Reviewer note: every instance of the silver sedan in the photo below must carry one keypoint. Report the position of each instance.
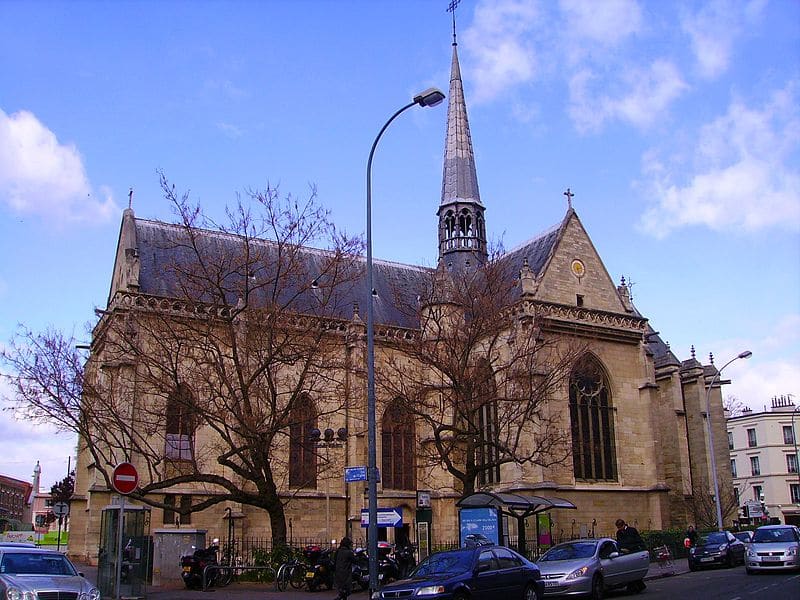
(28, 573)
(591, 566)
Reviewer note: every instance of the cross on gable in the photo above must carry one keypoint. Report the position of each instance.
(569, 196)
(453, 5)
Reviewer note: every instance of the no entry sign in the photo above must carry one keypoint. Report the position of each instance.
(125, 478)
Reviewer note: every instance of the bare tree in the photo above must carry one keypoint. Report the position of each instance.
(479, 380)
(733, 406)
(703, 508)
(203, 383)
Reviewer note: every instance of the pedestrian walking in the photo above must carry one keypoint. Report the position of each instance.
(343, 570)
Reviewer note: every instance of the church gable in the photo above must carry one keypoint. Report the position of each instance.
(574, 274)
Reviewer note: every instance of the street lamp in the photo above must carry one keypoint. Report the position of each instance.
(430, 97)
(745, 354)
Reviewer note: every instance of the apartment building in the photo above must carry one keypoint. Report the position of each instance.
(764, 459)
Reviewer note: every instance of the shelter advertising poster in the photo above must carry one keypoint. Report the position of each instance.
(479, 522)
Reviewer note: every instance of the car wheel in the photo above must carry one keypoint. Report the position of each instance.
(530, 593)
(597, 588)
(460, 596)
(730, 562)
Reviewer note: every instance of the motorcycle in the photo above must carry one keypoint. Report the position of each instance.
(193, 565)
(406, 560)
(388, 567)
(321, 568)
(360, 568)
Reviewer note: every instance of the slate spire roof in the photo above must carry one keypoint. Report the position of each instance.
(462, 226)
(460, 178)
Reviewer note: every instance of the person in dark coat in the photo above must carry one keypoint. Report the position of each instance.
(628, 538)
(691, 535)
(343, 569)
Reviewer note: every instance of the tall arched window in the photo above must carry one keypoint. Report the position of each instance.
(592, 419)
(302, 449)
(487, 454)
(398, 449)
(180, 417)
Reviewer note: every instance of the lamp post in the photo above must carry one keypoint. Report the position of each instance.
(430, 97)
(715, 479)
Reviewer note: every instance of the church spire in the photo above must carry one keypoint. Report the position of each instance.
(462, 229)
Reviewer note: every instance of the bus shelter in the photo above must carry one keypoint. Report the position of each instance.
(481, 514)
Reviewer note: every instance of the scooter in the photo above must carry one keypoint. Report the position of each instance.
(193, 565)
(406, 560)
(321, 568)
(360, 568)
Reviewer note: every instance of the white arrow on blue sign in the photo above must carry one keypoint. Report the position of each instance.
(387, 517)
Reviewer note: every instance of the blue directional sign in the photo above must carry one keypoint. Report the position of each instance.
(387, 517)
(352, 474)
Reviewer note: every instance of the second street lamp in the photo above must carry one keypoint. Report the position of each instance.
(715, 479)
(430, 97)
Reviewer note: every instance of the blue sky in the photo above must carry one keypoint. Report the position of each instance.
(676, 125)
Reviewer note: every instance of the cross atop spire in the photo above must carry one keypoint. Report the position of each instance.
(452, 9)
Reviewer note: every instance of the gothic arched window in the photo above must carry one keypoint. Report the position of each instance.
(487, 454)
(302, 449)
(397, 448)
(592, 420)
(449, 227)
(180, 417)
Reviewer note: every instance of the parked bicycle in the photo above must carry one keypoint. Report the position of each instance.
(292, 573)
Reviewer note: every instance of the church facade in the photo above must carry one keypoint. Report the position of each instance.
(632, 413)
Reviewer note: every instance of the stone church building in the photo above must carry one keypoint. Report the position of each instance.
(633, 413)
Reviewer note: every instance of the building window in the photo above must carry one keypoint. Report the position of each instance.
(758, 491)
(171, 516)
(397, 448)
(730, 440)
(736, 495)
(791, 463)
(788, 434)
(752, 442)
(794, 493)
(733, 468)
(755, 466)
(180, 417)
(487, 448)
(302, 449)
(592, 420)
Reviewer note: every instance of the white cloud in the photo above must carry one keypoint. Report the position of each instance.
(42, 177)
(605, 23)
(497, 40)
(229, 130)
(714, 29)
(644, 96)
(740, 176)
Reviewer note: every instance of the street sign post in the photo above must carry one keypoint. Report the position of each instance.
(124, 480)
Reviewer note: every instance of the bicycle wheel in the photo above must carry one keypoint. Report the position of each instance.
(225, 576)
(282, 578)
(297, 576)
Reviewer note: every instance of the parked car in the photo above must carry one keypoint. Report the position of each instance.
(774, 548)
(38, 573)
(744, 536)
(478, 573)
(591, 566)
(720, 548)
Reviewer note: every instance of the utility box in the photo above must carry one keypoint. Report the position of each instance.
(168, 547)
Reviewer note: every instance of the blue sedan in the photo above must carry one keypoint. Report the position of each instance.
(478, 573)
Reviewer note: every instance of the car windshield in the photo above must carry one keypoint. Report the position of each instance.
(716, 537)
(39, 563)
(570, 551)
(742, 535)
(445, 562)
(766, 536)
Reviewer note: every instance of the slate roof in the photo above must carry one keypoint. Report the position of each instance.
(162, 246)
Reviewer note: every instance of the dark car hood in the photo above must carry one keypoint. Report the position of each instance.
(438, 579)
